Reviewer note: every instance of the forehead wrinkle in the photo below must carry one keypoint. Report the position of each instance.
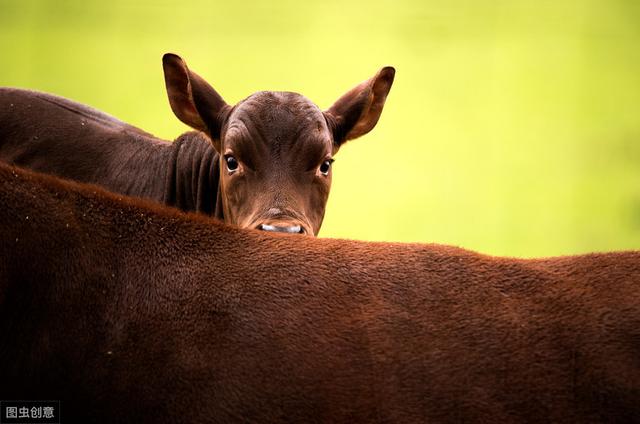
(282, 120)
(247, 138)
(250, 115)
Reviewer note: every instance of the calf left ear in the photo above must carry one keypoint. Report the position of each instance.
(192, 99)
(358, 111)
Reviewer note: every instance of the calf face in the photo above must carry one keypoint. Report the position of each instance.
(276, 148)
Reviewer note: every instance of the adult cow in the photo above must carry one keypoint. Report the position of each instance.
(263, 163)
(129, 312)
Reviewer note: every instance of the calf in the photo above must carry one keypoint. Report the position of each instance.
(129, 312)
(264, 163)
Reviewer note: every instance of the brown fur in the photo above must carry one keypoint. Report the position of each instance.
(280, 141)
(130, 312)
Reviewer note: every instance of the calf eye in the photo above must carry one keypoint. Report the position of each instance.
(326, 165)
(232, 163)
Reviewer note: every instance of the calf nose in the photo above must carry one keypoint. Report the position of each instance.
(294, 229)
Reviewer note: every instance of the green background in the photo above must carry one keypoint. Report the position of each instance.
(513, 126)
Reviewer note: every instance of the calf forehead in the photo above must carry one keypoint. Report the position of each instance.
(278, 117)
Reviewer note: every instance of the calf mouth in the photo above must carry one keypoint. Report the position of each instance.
(288, 229)
(278, 220)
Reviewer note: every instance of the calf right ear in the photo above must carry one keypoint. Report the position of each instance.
(192, 99)
(358, 111)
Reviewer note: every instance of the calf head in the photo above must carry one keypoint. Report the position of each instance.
(276, 148)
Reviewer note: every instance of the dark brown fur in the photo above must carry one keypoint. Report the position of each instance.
(129, 312)
(64, 138)
(280, 141)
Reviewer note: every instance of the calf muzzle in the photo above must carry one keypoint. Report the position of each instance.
(290, 229)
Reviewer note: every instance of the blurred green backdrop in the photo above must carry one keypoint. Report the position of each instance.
(513, 126)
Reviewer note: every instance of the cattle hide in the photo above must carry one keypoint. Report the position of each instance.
(130, 312)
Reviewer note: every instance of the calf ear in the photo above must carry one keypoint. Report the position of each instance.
(358, 111)
(192, 99)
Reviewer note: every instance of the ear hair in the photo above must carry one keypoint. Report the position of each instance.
(192, 99)
(358, 111)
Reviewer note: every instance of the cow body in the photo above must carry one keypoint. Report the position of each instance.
(128, 312)
(54, 135)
